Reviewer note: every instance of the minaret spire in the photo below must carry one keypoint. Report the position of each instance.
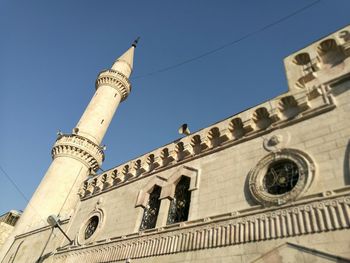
(124, 64)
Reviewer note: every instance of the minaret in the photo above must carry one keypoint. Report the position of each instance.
(79, 154)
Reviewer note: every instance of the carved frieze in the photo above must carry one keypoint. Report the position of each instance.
(325, 214)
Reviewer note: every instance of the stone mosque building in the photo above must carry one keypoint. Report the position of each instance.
(270, 184)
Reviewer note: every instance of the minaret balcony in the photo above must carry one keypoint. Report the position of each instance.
(80, 148)
(116, 80)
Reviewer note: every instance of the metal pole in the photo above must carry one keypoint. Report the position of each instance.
(58, 226)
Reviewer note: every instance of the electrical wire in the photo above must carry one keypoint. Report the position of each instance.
(199, 57)
(250, 34)
(14, 184)
(21, 193)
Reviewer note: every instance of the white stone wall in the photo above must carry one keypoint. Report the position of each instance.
(33, 245)
(5, 231)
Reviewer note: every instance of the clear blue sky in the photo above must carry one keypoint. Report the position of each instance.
(52, 51)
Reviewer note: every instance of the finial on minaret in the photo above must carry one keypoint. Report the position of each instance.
(134, 44)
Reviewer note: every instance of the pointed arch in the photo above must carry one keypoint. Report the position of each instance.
(157, 196)
(143, 195)
(169, 187)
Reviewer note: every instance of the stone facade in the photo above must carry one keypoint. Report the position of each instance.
(270, 184)
(7, 224)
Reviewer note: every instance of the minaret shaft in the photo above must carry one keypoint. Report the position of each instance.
(56, 194)
(98, 114)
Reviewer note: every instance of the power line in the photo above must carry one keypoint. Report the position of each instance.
(21, 193)
(259, 30)
(14, 184)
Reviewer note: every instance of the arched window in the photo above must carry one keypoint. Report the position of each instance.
(150, 214)
(180, 205)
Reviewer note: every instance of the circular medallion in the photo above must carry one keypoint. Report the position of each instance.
(281, 177)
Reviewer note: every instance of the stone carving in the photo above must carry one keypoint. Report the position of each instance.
(237, 128)
(273, 143)
(324, 57)
(196, 144)
(257, 177)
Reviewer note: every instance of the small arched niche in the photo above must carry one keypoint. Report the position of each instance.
(307, 67)
(326, 46)
(329, 52)
(302, 59)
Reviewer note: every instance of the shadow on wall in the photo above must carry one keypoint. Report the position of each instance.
(347, 164)
(341, 86)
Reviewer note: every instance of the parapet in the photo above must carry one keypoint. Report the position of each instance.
(279, 112)
(314, 64)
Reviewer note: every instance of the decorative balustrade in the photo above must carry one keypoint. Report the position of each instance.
(115, 79)
(324, 213)
(247, 125)
(79, 147)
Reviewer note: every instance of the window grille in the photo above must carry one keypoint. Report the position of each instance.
(281, 177)
(180, 205)
(91, 227)
(150, 214)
